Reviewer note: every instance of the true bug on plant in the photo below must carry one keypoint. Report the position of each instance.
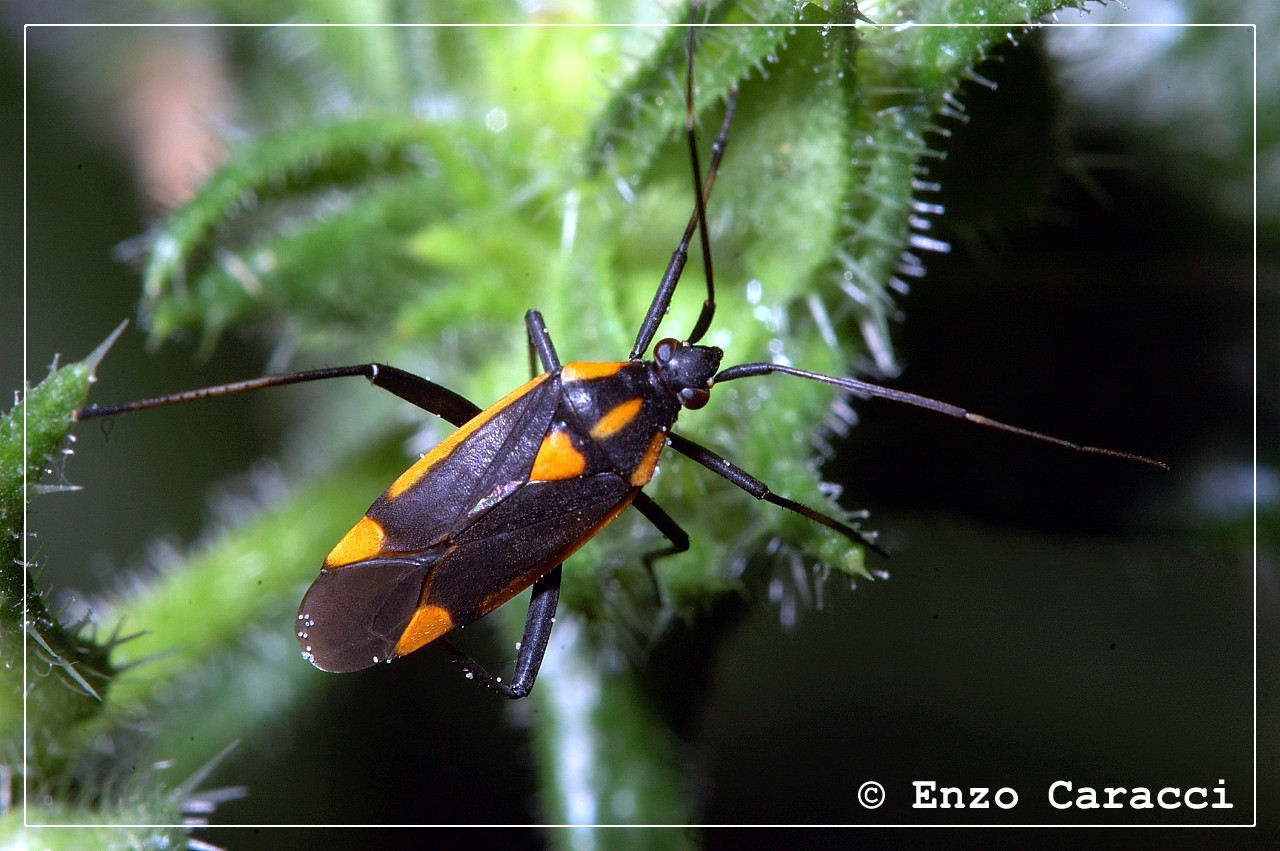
(501, 503)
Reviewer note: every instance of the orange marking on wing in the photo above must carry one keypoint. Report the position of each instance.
(557, 459)
(427, 624)
(588, 371)
(362, 542)
(643, 472)
(411, 476)
(617, 419)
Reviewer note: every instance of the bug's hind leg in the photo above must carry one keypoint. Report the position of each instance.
(533, 643)
(414, 389)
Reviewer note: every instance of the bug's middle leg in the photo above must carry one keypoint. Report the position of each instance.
(741, 478)
(670, 529)
(540, 344)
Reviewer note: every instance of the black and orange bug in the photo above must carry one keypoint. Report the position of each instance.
(500, 504)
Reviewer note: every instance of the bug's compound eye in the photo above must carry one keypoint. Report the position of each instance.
(694, 398)
(665, 349)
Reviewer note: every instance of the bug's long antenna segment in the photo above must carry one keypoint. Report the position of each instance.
(708, 311)
(874, 390)
(702, 192)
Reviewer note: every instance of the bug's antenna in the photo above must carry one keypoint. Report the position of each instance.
(875, 390)
(702, 191)
(708, 311)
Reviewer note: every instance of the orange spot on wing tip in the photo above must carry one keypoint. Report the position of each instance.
(427, 624)
(362, 542)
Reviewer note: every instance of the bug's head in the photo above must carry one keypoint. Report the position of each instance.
(686, 370)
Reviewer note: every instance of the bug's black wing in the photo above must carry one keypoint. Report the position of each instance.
(358, 609)
(458, 534)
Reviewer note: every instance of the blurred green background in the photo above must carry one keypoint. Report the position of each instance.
(1047, 615)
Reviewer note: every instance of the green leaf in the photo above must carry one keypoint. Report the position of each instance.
(63, 676)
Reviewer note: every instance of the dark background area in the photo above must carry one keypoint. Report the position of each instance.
(1048, 615)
